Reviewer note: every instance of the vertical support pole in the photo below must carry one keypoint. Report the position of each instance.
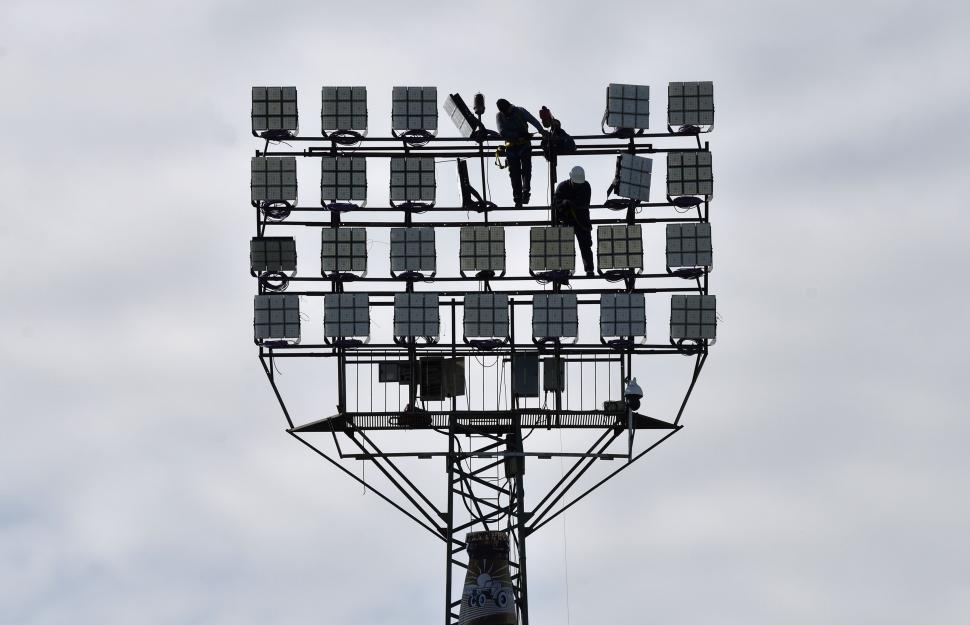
(522, 531)
(449, 519)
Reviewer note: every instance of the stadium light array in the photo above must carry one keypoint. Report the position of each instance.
(554, 316)
(277, 318)
(343, 250)
(343, 182)
(482, 249)
(627, 107)
(693, 317)
(274, 112)
(416, 315)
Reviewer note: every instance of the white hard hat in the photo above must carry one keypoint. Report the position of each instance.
(577, 175)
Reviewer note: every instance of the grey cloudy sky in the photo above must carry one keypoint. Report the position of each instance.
(144, 473)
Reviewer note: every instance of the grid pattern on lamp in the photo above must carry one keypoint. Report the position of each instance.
(552, 248)
(413, 249)
(627, 106)
(343, 178)
(690, 103)
(277, 316)
(689, 173)
(622, 314)
(693, 317)
(486, 315)
(273, 179)
(343, 250)
(414, 108)
(619, 247)
(274, 108)
(272, 254)
(346, 315)
(635, 174)
(689, 245)
(412, 179)
(416, 314)
(343, 108)
(482, 248)
(554, 315)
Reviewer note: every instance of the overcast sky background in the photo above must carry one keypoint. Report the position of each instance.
(145, 476)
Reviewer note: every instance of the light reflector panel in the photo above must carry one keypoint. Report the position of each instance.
(486, 315)
(689, 173)
(274, 108)
(690, 103)
(552, 248)
(554, 315)
(277, 316)
(413, 249)
(689, 245)
(693, 317)
(343, 179)
(416, 314)
(482, 248)
(458, 111)
(622, 314)
(346, 315)
(414, 108)
(635, 177)
(343, 250)
(619, 247)
(273, 179)
(272, 254)
(343, 108)
(628, 106)
(412, 179)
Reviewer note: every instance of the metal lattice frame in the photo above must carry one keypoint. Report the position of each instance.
(493, 438)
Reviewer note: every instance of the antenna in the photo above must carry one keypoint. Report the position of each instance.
(461, 322)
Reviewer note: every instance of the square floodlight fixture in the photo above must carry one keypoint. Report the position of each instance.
(622, 314)
(343, 179)
(416, 314)
(619, 247)
(554, 315)
(693, 317)
(272, 254)
(552, 248)
(343, 250)
(346, 315)
(343, 109)
(690, 103)
(628, 106)
(482, 248)
(277, 317)
(414, 108)
(689, 245)
(274, 111)
(689, 173)
(634, 177)
(413, 249)
(273, 180)
(460, 115)
(486, 315)
(412, 179)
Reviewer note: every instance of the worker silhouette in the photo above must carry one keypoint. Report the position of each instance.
(513, 126)
(571, 203)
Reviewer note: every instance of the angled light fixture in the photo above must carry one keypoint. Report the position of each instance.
(274, 113)
(632, 181)
(343, 182)
(627, 109)
(343, 251)
(693, 317)
(343, 113)
(482, 251)
(413, 254)
(690, 107)
(412, 182)
(277, 319)
(416, 315)
(554, 316)
(689, 246)
(346, 318)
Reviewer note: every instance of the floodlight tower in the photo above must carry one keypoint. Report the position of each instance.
(453, 319)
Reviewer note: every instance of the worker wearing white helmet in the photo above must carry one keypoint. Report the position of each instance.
(571, 203)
